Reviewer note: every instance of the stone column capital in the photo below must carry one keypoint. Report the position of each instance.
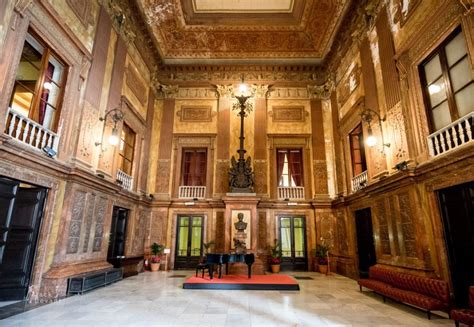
(260, 91)
(323, 91)
(225, 91)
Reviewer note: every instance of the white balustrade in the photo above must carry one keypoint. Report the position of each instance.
(125, 179)
(360, 181)
(192, 192)
(291, 193)
(452, 136)
(30, 132)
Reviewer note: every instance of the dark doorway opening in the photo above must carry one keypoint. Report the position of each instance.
(457, 210)
(118, 234)
(21, 212)
(292, 236)
(365, 241)
(188, 241)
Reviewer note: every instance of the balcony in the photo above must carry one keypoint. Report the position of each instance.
(291, 193)
(452, 136)
(29, 132)
(125, 180)
(192, 192)
(359, 182)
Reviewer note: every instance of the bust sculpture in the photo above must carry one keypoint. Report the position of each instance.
(240, 225)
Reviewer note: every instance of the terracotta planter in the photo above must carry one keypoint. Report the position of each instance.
(275, 268)
(323, 269)
(154, 266)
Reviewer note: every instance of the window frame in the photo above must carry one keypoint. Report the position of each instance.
(122, 157)
(363, 156)
(194, 150)
(300, 150)
(450, 95)
(33, 111)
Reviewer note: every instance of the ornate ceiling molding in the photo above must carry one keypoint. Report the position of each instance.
(198, 43)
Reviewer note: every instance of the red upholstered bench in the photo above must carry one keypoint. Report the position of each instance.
(465, 316)
(423, 292)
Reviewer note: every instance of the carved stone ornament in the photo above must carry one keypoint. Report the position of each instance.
(22, 5)
(169, 91)
(241, 177)
(321, 91)
(225, 91)
(468, 6)
(259, 91)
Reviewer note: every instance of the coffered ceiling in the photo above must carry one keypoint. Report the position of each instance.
(243, 31)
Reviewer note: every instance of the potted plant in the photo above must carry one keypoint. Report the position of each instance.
(156, 250)
(275, 259)
(322, 257)
(207, 246)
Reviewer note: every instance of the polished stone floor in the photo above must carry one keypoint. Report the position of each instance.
(157, 299)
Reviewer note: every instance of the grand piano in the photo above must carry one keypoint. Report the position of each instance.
(220, 259)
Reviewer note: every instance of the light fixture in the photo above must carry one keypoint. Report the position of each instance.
(48, 86)
(434, 88)
(367, 116)
(117, 115)
(242, 87)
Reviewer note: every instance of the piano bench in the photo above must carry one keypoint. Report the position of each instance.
(202, 267)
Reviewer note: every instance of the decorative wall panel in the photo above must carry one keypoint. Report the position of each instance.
(163, 176)
(195, 114)
(288, 114)
(341, 231)
(139, 89)
(383, 226)
(222, 176)
(350, 82)
(81, 9)
(393, 216)
(88, 220)
(407, 224)
(220, 231)
(260, 169)
(99, 224)
(75, 225)
(138, 245)
(262, 230)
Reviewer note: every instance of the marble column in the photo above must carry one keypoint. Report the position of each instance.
(221, 179)
(260, 161)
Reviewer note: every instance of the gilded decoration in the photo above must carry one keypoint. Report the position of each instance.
(288, 114)
(402, 10)
(288, 93)
(309, 38)
(322, 91)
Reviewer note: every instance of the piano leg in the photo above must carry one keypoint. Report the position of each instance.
(211, 271)
(250, 270)
(227, 268)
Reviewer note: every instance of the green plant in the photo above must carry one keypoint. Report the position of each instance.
(156, 249)
(321, 252)
(275, 253)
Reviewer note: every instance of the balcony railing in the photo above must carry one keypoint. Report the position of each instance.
(30, 132)
(291, 193)
(360, 181)
(125, 180)
(192, 192)
(452, 136)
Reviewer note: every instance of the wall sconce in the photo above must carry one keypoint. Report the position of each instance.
(367, 116)
(117, 115)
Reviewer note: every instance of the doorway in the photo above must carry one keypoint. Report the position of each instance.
(365, 241)
(292, 236)
(457, 210)
(118, 234)
(21, 211)
(188, 241)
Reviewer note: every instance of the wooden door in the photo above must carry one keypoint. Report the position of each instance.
(457, 209)
(365, 241)
(21, 210)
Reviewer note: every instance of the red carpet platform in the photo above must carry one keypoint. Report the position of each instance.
(274, 282)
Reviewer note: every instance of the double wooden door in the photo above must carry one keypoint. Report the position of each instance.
(188, 241)
(21, 211)
(292, 238)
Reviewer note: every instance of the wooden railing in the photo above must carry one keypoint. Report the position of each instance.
(125, 180)
(291, 193)
(360, 181)
(30, 132)
(192, 192)
(452, 136)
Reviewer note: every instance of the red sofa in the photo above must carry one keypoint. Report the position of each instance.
(465, 316)
(423, 292)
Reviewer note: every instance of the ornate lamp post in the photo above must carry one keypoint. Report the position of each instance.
(241, 177)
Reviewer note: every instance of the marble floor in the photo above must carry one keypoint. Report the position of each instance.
(157, 299)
